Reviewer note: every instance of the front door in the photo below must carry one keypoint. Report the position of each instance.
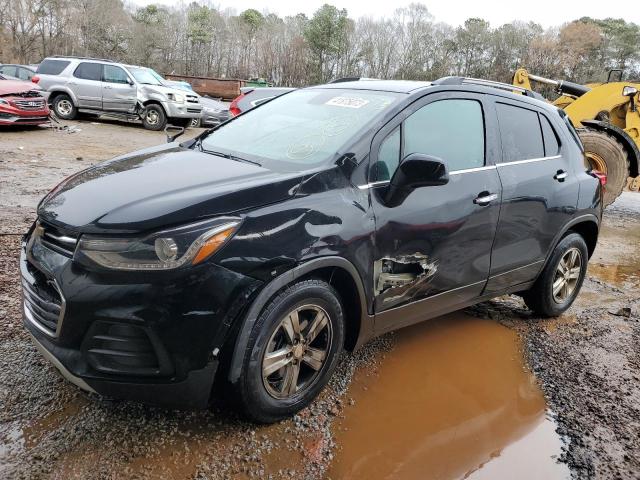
(434, 249)
(540, 192)
(118, 95)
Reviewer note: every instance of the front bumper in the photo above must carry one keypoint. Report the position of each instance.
(18, 117)
(183, 110)
(145, 337)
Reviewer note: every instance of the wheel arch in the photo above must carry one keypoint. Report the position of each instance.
(623, 137)
(338, 272)
(153, 101)
(57, 91)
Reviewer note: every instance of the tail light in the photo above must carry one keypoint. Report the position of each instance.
(35, 79)
(233, 108)
(600, 176)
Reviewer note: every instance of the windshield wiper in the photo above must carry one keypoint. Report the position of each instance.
(226, 155)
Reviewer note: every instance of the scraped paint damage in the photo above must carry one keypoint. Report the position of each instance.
(398, 277)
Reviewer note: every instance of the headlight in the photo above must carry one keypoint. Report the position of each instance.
(166, 250)
(176, 97)
(3, 102)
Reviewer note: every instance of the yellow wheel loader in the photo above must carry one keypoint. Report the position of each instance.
(607, 118)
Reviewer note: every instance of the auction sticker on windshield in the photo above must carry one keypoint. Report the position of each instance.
(349, 102)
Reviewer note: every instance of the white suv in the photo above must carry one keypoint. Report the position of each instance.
(101, 87)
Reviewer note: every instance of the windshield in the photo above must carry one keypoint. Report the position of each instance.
(300, 129)
(144, 76)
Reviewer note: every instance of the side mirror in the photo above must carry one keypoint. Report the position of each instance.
(130, 82)
(416, 170)
(629, 91)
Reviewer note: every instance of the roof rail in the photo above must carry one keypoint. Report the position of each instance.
(351, 79)
(486, 83)
(83, 58)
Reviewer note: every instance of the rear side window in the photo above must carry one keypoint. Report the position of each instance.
(520, 132)
(88, 71)
(551, 144)
(52, 67)
(452, 130)
(24, 74)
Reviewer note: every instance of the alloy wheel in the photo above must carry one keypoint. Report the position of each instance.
(297, 351)
(152, 117)
(567, 275)
(64, 107)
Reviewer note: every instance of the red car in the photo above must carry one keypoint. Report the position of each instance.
(21, 103)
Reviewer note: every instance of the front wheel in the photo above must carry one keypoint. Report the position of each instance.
(153, 117)
(293, 349)
(559, 283)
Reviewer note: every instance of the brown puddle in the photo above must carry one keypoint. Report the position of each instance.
(452, 400)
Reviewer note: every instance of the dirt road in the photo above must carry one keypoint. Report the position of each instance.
(479, 393)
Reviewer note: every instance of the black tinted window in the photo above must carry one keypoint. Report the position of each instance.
(113, 74)
(521, 134)
(551, 144)
(452, 130)
(88, 71)
(52, 67)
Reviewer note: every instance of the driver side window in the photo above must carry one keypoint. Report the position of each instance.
(452, 130)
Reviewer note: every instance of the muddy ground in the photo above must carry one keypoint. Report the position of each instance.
(566, 392)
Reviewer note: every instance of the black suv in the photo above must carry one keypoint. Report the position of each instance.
(260, 250)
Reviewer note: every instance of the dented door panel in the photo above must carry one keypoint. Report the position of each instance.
(437, 240)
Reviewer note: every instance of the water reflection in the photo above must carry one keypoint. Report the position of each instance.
(447, 402)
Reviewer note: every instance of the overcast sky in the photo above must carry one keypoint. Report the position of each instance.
(454, 12)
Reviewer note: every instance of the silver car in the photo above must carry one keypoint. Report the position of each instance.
(102, 87)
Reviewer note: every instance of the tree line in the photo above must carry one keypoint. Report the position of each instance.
(199, 39)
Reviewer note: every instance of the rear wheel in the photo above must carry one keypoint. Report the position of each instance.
(64, 108)
(559, 283)
(292, 351)
(605, 154)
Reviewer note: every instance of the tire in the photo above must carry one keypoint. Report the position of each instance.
(601, 148)
(64, 108)
(540, 298)
(154, 118)
(265, 398)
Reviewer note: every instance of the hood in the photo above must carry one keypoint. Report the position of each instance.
(8, 87)
(164, 89)
(161, 186)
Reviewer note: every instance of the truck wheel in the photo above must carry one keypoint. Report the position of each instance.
(64, 108)
(561, 279)
(607, 155)
(292, 352)
(154, 118)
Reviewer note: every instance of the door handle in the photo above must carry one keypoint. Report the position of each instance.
(108, 86)
(485, 198)
(560, 176)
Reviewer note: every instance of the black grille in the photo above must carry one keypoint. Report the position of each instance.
(125, 349)
(43, 303)
(193, 110)
(55, 239)
(192, 99)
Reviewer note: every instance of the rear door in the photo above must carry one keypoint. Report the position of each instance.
(433, 250)
(118, 95)
(539, 192)
(86, 84)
